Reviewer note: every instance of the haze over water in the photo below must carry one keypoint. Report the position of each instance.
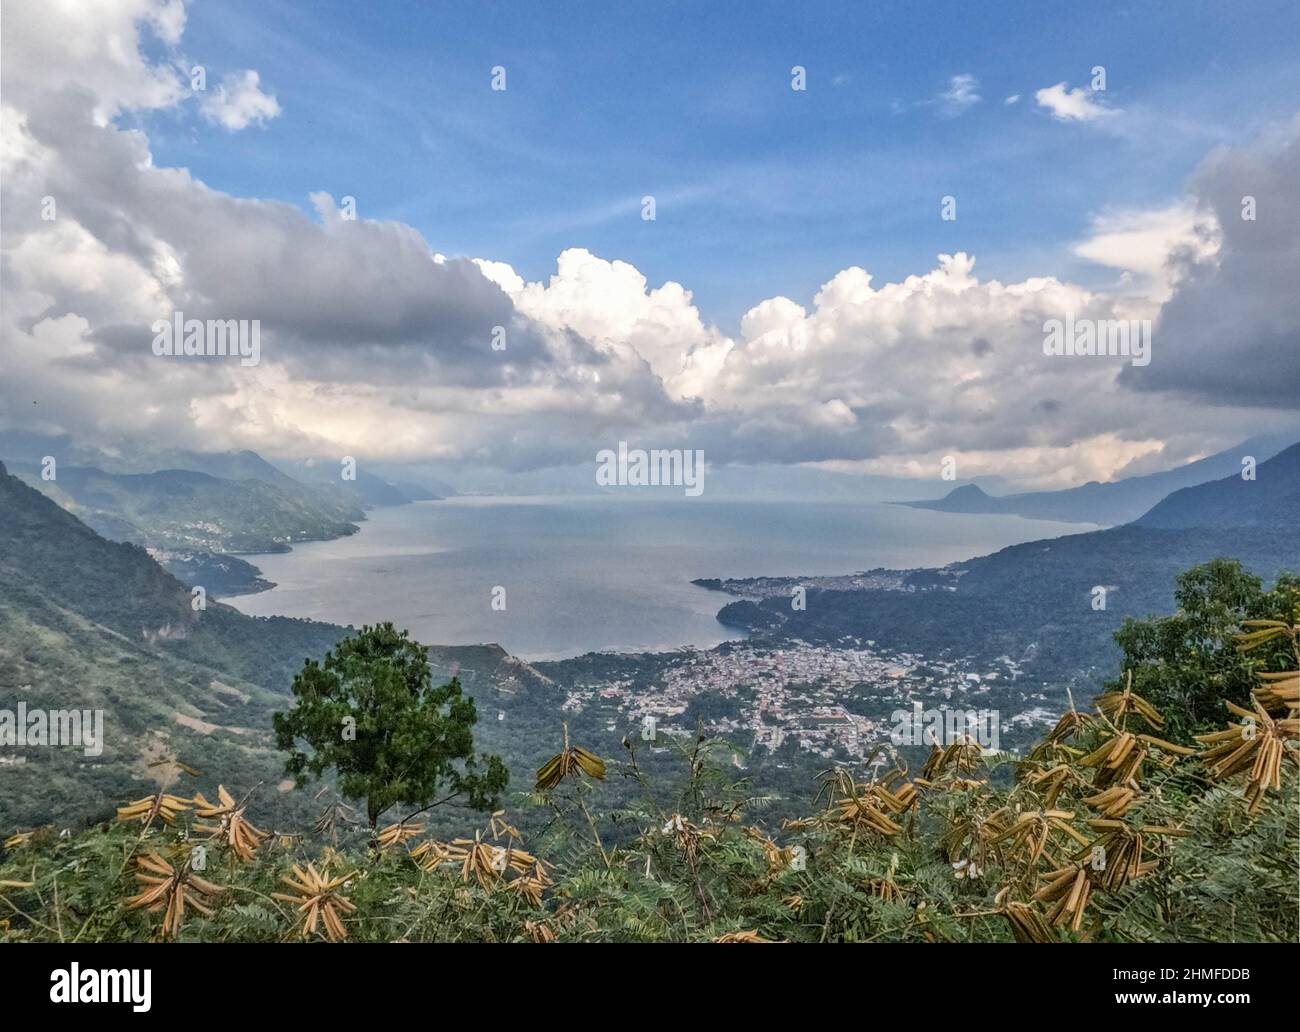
(606, 573)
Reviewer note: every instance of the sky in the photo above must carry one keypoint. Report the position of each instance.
(798, 297)
(761, 189)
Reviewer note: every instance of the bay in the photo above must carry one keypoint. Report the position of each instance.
(600, 573)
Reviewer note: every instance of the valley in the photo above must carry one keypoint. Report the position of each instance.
(814, 682)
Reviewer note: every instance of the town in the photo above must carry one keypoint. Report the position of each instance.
(836, 703)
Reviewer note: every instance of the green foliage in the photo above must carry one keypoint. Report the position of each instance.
(657, 853)
(1187, 665)
(183, 510)
(695, 874)
(371, 712)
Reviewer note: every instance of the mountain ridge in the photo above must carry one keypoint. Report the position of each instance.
(1043, 594)
(1112, 503)
(182, 509)
(77, 609)
(1270, 498)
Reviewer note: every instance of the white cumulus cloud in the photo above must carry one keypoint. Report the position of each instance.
(238, 101)
(1073, 105)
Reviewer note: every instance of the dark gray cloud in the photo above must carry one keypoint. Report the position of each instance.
(1230, 334)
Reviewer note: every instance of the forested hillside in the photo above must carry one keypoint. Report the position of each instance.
(1117, 827)
(1041, 597)
(1270, 499)
(181, 509)
(95, 624)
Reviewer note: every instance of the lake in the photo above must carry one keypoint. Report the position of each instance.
(604, 573)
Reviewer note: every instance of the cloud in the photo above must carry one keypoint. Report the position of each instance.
(940, 363)
(962, 93)
(1067, 464)
(364, 328)
(1073, 105)
(1151, 248)
(602, 300)
(1230, 332)
(375, 344)
(95, 47)
(238, 101)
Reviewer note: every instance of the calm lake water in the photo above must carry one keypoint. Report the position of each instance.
(585, 574)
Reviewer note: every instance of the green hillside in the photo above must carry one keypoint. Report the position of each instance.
(186, 510)
(1106, 831)
(1039, 598)
(96, 624)
(1270, 499)
(93, 624)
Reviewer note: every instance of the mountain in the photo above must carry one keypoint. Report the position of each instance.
(230, 465)
(25, 451)
(418, 492)
(1272, 499)
(318, 483)
(1114, 503)
(1038, 599)
(367, 490)
(315, 489)
(178, 510)
(967, 498)
(30, 448)
(93, 624)
(248, 465)
(435, 485)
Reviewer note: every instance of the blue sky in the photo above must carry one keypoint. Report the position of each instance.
(761, 190)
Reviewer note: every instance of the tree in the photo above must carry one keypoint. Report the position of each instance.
(1187, 665)
(370, 712)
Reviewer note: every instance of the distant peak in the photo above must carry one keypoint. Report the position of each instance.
(967, 491)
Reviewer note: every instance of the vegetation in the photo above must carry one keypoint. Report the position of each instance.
(1187, 664)
(371, 713)
(182, 510)
(98, 625)
(1030, 599)
(1106, 831)
(1037, 598)
(662, 847)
